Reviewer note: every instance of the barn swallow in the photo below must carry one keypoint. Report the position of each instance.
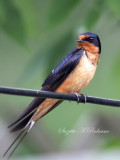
(71, 75)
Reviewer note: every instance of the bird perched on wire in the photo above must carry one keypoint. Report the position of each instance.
(71, 75)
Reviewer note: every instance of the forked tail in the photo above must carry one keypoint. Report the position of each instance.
(20, 137)
(24, 123)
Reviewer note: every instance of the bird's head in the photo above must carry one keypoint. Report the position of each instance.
(90, 42)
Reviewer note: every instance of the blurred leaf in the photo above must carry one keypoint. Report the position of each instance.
(48, 59)
(60, 49)
(94, 13)
(13, 24)
(59, 10)
(114, 6)
(33, 67)
(28, 13)
(2, 12)
(112, 143)
(116, 69)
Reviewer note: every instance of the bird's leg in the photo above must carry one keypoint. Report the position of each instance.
(78, 96)
(85, 97)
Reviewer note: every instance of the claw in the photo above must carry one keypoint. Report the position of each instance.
(77, 95)
(85, 97)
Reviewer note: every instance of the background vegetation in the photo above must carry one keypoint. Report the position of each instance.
(34, 36)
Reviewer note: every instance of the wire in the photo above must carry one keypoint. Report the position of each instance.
(54, 95)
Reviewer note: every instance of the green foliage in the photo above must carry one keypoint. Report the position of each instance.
(28, 12)
(114, 6)
(11, 21)
(58, 11)
(112, 143)
(94, 13)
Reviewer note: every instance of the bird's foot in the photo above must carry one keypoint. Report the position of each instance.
(78, 97)
(85, 97)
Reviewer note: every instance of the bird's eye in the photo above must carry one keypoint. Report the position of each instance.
(89, 39)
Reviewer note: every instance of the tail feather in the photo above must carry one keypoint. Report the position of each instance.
(31, 107)
(53, 107)
(20, 137)
(22, 124)
(13, 142)
(25, 122)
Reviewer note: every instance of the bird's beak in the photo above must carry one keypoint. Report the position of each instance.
(80, 40)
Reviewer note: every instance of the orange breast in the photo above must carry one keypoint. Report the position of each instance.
(79, 78)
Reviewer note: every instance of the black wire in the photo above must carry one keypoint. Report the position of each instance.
(47, 94)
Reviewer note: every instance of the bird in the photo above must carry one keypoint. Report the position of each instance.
(71, 75)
